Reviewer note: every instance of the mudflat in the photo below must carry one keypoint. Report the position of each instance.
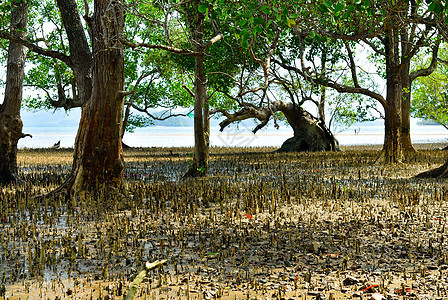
(262, 225)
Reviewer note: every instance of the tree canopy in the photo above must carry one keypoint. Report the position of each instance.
(239, 57)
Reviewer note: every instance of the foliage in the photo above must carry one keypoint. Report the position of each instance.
(348, 109)
(163, 89)
(430, 94)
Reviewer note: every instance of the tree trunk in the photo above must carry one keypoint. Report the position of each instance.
(199, 166)
(406, 95)
(323, 89)
(310, 134)
(10, 121)
(392, 147)
(406, 142)
(206, 116)
(98, 159)
(80, 56)
(393, 150)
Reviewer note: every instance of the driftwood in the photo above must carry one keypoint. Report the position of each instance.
(139, 278)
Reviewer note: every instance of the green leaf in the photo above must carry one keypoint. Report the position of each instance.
(322, 8)
(328, 4)
(265, 9)
(258, 21)
(438, 8)
(243, 22)
(203, 8)
(432, 6)
(339, 7)
(257, 30)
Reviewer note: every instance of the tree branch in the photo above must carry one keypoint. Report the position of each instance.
(161, 118)
(250, 111)
(162, 47)
(334, 85)
(352, 65)
(188, 90)
(212, 41)
(39, 50)
(427, 71)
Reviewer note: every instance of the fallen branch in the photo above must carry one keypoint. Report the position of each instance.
(139, 278)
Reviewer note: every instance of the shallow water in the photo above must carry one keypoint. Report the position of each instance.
(234, 136)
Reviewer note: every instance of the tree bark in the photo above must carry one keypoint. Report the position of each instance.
(98, 159)
(310, 133)
(406, 95)
(81, 60)
(393, 150)
(199, 166)
(10, 121)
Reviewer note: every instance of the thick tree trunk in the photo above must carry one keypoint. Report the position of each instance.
(10, 121)
(393, 151)
(199, 166)
(310, 134)
(98, 159)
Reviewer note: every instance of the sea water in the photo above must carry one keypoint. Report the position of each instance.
(232, 136)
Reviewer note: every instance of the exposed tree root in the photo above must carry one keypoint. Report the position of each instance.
(440, 172)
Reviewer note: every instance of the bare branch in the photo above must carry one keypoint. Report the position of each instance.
(39, 50)
(213, 41)
(374, 48)
(188, 90)
(159, 118)
(162, 47)
(427, 71)
(352, 65)
(333, 84)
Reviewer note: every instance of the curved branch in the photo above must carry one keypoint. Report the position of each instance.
(161, 118)
(250, 111)
(341, 88)
(39, 50)
(162, 47)
(427, 71)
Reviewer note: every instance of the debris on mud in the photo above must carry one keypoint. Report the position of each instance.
(263, 225)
